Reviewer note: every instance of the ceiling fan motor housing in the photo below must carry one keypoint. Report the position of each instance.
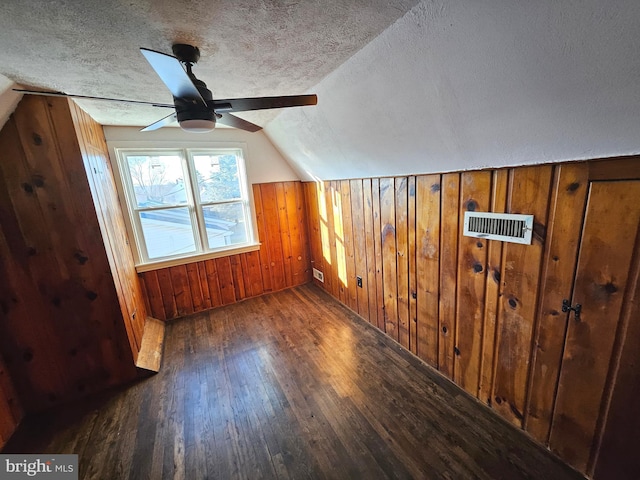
(197, 113)
(187, 109)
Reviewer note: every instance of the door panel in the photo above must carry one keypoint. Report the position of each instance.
(618, 454)
(605, 255)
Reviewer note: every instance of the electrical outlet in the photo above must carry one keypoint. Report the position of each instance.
(318, 275)
(359, 281)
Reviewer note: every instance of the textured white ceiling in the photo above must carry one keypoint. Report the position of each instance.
(249, 47)
(468, 84)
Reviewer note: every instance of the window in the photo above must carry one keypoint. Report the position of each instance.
(186, 202)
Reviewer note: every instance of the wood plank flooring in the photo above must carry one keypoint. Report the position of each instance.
(287, 385)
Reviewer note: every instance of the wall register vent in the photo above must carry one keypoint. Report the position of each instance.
(318, 275)
(506, 227)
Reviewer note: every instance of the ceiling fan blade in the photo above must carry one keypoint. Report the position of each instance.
(169, 119)
(237, 122)
(173, 74)
(85, 97)
(261, 103)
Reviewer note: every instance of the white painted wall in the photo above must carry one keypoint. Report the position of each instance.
(8, 99)
(263, 162)
(467, 84)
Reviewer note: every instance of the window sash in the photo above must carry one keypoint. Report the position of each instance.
(148, 241)
(192, 153)
(205, 230)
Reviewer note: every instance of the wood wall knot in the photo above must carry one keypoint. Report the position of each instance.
(37, 139)
(602, 292)
(38, 180)
(496, 275)
(91, 295)
(610, 288)
(470, 205)
(80, 257)
(388, 229)
(572, 187)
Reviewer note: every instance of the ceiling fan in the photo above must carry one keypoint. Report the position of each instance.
(195, 108)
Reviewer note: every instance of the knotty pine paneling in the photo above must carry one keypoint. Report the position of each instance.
(487, 314)
(475, 193)
(11, 412)
(528, 192)
(492, 299)
(570, 187)
(283, 260)
(448, 267)
(427, 226)
(61, 330)
(114, 234)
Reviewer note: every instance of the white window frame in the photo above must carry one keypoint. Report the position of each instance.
(193, 203)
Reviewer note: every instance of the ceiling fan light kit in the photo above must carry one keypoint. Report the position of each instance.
(195, 109)
(196, 125)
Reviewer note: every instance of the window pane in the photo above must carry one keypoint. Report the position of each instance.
(217, 177)
(167, 232)
(226, 224)
(157, 180)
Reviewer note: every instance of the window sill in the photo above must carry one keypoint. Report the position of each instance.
(146, 267)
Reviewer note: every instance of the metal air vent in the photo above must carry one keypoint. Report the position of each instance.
(506, 227)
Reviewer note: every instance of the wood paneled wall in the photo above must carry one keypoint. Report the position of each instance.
(488, 314)
(114, 233)
(11, 412)
(61, 329)
(283, 261)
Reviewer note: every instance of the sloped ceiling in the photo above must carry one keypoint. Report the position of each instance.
(471, 84)
(404, 86)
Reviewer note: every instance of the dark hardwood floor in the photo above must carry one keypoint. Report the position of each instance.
(288, 385)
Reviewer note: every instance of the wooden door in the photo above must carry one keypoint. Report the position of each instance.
(604, 287)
